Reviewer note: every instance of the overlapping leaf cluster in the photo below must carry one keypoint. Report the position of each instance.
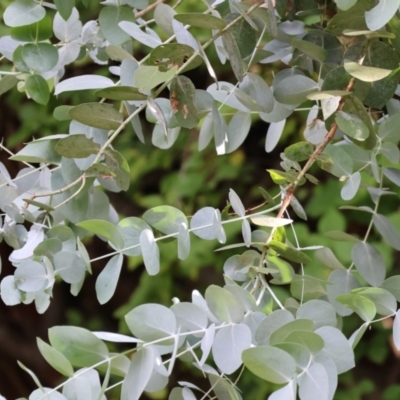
(346, 66)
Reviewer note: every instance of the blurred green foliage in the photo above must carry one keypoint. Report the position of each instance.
(188, 179)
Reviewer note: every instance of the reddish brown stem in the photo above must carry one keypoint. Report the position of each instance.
(317, 152)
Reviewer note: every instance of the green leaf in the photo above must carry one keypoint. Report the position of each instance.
(69, 266)
(121, 93)
(270, 363)
(224, 305)
(396, 330)
(319, 311)
(77, 146)
(310, 340)
(341, 236)
(381, 14)
(369, 34)
(80, 346)
(394, 27)
(148, 77)
(289, 252)
(105, 229)
(353, 17)
(98, 115)
(40, 57)
(7, 83)
(19, 61)
(272, 222)
(169, 55)
(166, 219)
(384, 301)
(357, 335)
(285, 271)
(201, 20)
(117, 163)
(222, 388)
(38, 89)
(351, 186)
(387, 230)
(312, 50)
(294, 89)
(281, 177)
(38, 151)
(40, 205)
(30, 276)
(139, 374)
(369, 263)
(233, 52)
(307, 287)
(300, 151)
(345, 4)
(389, 128)
(109, 19)
(117, 53)
(392, 285)
(163, 15)
(65, 7)
(244, 35)
(352, 125)
(150, 252)
(366, 74)
(327, 94)
(60, 113)
(182, 93)
(150, 322)
(134, 30)
(23, 12)
(55, 358)
(364, 307)
(259, 92)
(382, 55)
(48, 248)
(100, 171)
(238, 129)
(342, 162)
(83, 82)
(267, 197)
(353, 105)
(38, 31)
(281, 334)
(106, 282)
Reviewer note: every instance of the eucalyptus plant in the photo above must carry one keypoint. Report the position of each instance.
(339, 58)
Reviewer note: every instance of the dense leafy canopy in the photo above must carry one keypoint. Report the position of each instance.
(341, 59)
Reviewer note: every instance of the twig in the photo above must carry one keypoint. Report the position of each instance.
(148, 8)
(317, 152)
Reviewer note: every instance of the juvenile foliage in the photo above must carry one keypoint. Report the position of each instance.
(273, 316)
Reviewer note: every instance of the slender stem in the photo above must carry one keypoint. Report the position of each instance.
(59, 191)
(375, 211)
(9, 73)
(148, 8)
(12, 154)
(73, 195)
(317, 152)
(117, 132)
(273, 295)
(171, 235)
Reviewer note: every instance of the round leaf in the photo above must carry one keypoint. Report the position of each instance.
(150, 322)
(23, 12)
(40, 57)
(37, 88)
(97, 115)
(270, 363)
